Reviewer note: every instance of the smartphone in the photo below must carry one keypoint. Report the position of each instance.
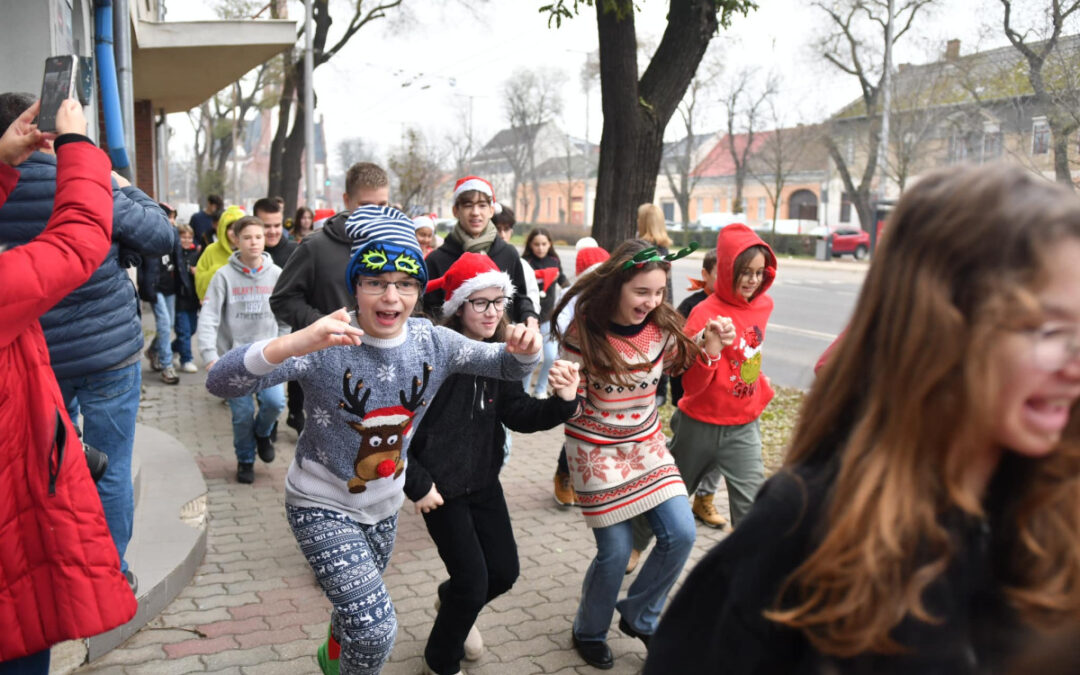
(58, 85)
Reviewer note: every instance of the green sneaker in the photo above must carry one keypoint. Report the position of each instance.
(329, 654)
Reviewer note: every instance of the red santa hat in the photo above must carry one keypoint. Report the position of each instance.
(546, 277)
(470, 183)
(469, 273)
(392, 415)
(587, 258)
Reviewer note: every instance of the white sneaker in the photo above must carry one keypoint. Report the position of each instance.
(189, 367)
(426, 670)
(474, 644)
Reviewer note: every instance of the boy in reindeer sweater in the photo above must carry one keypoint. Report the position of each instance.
(366, 386)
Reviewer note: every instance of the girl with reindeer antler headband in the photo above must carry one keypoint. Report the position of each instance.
(366, 387)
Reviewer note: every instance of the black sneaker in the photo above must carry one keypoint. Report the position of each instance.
(155, 362)
(132, 580)
(296, 421)
(266, 448)
(595, 653)
(626, 628)
(245, 472)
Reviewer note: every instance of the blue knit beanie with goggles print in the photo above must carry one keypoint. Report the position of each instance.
(384, 240)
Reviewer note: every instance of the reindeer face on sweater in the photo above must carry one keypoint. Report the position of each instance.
(382, 431)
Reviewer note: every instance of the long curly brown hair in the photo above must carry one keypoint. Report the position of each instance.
(903, 406)
(598, 294)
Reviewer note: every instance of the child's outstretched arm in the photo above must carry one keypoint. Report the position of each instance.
(251, 368)
(525, 414)
(504, 361)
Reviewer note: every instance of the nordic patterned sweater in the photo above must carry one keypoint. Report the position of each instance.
(617, 453)
(362, 404)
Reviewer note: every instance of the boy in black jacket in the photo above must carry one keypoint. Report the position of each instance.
(187, 303)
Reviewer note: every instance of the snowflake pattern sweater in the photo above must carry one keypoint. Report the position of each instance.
(617, 453)
(362, 404)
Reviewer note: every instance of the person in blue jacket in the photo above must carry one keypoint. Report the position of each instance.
(94, 334)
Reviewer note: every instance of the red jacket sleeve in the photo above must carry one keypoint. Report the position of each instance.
(37, 275)
(8, 178)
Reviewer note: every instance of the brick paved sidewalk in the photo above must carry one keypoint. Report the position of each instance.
(254, 606)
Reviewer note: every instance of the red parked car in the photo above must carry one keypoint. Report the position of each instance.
(850, 240)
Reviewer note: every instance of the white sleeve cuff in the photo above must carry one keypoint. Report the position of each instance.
(255, 360)
(529, 358)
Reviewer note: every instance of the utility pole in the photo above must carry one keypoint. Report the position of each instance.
(886, 104)
(309, 106)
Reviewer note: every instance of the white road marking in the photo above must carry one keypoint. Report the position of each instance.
(828, 337)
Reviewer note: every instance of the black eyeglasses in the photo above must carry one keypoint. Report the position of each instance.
(480, 305)
(405, 287)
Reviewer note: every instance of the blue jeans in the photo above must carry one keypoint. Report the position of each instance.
(551, 352)
(31, 664)
(109, 402)
(164, 315)
(246, 424)
(187, 320)
(673, 523)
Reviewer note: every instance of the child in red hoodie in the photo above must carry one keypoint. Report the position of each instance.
(717, 420)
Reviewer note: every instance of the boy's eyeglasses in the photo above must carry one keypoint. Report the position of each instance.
(1055, 345)
(480, 305)
(405, 287)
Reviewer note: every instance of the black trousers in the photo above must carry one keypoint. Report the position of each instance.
(296, 398)
(476, 541)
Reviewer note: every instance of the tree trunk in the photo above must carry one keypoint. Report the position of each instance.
(275, 183)
(636, 114)
(740, 180)
(1062, 172)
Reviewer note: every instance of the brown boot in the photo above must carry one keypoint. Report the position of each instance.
(706, 512)
(631, 564)
(564, 490)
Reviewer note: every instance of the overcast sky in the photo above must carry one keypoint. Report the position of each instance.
(451, 56)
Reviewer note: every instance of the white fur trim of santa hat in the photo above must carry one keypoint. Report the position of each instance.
(478, 184)
(470, 273)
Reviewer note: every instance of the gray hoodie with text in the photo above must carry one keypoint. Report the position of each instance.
(236, 307)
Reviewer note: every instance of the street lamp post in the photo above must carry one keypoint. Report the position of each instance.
(309, 107)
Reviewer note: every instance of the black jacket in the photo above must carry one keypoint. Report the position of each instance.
(312, 282)
(459, 444)
(280, 254)
(547, 299)
(715, 622)
(506, 259)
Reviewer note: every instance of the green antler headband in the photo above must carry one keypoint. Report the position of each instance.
(650, 255)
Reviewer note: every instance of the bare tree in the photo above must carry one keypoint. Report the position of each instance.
(1052, 75)
(287, 147)
(461, 143)
(855, 46)
(416, 166)
(353, 150)
(916, 117)
(678, 164)
(637, 109)
(531, 99)
(780, 155)
(744, 105)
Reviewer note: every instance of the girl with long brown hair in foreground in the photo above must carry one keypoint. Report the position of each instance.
(927, 519)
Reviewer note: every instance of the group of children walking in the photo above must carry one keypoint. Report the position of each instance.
(857, 557)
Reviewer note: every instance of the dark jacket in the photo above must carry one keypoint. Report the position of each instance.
(312, 283)
(715, 622)
(506, 259)
(685, 307)
(205, 227)
(59, 570)
(97, 326)
(282, 251)
(459, 444)
(186, 299)
(547, 298)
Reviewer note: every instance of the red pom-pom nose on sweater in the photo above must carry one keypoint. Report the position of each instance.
(386, 468)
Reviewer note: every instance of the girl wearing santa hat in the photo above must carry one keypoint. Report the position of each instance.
(624, 336)
(539, 253)
(455, 457)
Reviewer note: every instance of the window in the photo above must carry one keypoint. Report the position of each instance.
(1040, 136)
(992, 142)
(845, 208)
(700, 205)
(761, 208)
(669, 210)
(849, 150)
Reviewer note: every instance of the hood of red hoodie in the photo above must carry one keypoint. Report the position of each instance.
(733, 240)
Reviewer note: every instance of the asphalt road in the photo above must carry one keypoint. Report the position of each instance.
(813, 301)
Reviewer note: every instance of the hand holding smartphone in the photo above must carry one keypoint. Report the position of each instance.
(66, 77)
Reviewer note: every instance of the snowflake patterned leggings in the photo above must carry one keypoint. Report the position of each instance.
(348, 559)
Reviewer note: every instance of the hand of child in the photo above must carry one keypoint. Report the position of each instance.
(120, 180)
(564, 379)
(533, 322)
(431, 501)
(210, 365)
(520, 339)
(70, 118)
(332, 330)
(719, 333)
(22, 138)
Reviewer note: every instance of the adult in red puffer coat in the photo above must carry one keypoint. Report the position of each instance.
(59, 571)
